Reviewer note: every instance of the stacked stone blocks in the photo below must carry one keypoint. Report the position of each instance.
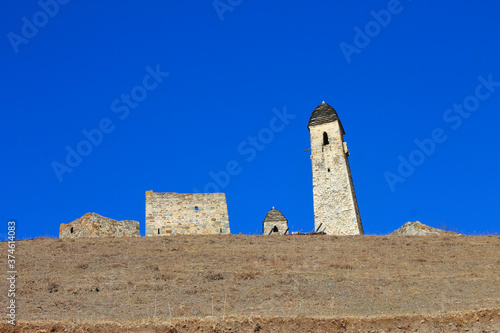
(169, 214)
(92, 225)
(275, 221)
(335, 204)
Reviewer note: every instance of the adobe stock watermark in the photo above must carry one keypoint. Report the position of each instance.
(121, 107)
(248, 149)
(372, 29)
(223, 6)
(30, 28)
(11, 272)
(454, 117)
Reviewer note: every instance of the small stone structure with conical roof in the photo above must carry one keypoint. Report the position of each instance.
(276, 222)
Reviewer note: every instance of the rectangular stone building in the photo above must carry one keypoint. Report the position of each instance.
(186, 213)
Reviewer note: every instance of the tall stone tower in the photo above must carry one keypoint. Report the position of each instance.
(335, 205)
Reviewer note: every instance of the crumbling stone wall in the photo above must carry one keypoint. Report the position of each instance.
(93, 225)
(186, 213)
(275, 221)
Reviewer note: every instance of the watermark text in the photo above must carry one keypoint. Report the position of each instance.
(454, 116)
(30, 27)
(372, 29)
(248, 149)
(11, 272)
(95, 136)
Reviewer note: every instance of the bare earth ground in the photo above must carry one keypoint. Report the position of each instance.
(241, 283)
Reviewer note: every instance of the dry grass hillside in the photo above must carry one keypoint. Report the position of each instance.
(233, 283)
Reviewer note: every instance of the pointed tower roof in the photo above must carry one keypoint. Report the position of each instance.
(274, 215)
(323, 114)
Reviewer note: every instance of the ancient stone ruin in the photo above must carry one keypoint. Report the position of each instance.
(275, 223)
(170, 214)
(93, 225)
(336, 209)
(419, 229)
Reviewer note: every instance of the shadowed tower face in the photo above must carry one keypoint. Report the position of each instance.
(335, 205)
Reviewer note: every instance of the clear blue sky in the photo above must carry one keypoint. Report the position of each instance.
(176, 88)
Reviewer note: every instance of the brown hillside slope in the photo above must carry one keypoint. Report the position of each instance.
(291, 283)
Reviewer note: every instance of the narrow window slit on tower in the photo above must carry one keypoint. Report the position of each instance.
(325, 139)
(71, 230)
(328, 169)
(221, 230)
(158, 231)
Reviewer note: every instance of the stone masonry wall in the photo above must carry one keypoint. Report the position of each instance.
(280, 225)
(335, 203)
(186, 213)
(93, 225)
